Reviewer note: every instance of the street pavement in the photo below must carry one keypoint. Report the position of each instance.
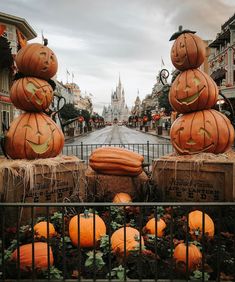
(119, 135)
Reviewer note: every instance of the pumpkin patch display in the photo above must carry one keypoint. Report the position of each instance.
(193, 93)
(122, 198)
(33, 136)
(132, 240)
(194, 256)
(37, 60)
(31, 94)
(193, 90)
(40, 229)
(40, 256)
(188, 51)
(116, 161)
(86, 229)
(196, 222)
(203, 131)
(150, 227)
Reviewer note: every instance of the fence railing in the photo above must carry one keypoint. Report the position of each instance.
(117, 242)
(150, 151)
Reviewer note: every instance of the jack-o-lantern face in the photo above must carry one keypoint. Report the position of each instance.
(188, 52)
(31, 94)
(203, 131)
(37, 60)
(193, 90)
(33, 136)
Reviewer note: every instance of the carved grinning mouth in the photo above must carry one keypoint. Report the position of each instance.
(190, 151)
(40, 148)
(191, 99)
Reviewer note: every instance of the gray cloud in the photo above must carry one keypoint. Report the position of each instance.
(98, 39)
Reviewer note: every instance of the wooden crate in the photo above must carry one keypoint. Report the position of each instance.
(102, 187)
(199, 178)
(44, 181)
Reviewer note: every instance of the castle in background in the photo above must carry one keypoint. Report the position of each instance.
(118, 110)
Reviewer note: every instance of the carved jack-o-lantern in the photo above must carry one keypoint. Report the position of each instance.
(203, 131)
(32, 136)
(37, 60)
(193, 90)
(31, 94)
(188, 51)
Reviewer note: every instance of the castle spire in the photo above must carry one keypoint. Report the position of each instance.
(119, 80)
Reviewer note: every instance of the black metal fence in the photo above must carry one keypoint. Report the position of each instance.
(183, 248)
(150, 151)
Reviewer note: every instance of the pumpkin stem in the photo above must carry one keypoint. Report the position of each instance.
(179, 32)
(86, 213)
(45, 41)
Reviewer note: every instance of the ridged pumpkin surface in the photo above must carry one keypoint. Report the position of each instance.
(193, 90)
(31, 94)
(203, 131)
(150, 227)
(40, 229)
(188, 52)
(37, 60)
(40, 256)
(195, 223)
(116, 161)
(122, 198)
(33, 136)
(132, 240)
(86, 232)
(194, 256)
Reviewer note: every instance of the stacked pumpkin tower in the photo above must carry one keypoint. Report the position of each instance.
(193, 94)
(34, 134)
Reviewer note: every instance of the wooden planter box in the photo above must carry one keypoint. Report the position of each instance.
(203, 177)
(44, 181)
(102, 187)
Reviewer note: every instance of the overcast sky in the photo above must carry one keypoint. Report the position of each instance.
(98, 39)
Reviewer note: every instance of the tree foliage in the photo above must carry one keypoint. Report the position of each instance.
(164, 99)
(6, 59)
(70, 112)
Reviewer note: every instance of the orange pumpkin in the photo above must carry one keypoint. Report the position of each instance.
(150, 227)
(86, 225)
(122, 198)
(203, 131)
(132, 240)
(33, 136)
(193, 90)
(188, 51)
(37, 60)
(31, 94)
(40, 229)
(195, 224)
(116, 161)
(40, 256)
(194, 256)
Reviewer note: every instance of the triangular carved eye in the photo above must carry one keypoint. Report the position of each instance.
(197, 81)
(27, 126)
(43, 54)
(178, 130)
(203, 131)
